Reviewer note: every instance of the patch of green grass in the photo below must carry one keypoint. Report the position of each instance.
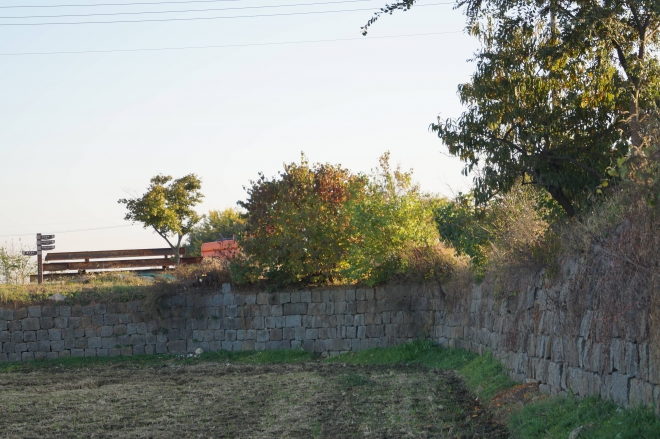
(246, 357)
(483, 374)
(558, 417)
(486, 376)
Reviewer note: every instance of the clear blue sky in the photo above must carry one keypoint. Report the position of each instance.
(80, 131)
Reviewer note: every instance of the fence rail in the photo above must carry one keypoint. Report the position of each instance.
(151, 259)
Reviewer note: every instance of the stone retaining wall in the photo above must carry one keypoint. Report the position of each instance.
(531, 334)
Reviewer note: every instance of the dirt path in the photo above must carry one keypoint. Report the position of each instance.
(241, 401)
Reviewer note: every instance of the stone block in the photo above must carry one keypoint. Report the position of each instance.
(641, 393)
(137, 339)
(92, 332)
(161, 348)
(100, 309)
(317, 296)
(65, 311)
(34, 311)
(306, 296)
(138, 350)
(57, 345)
(293, 321)
(54, 334)
(42, 335)
(102, 352)
(27, 356)
(295, 297)
(285, 298)
(94, 343)
(620, 388)
(81, 343)
(88, 311)
(262, 299)
(77, 352)
(128, 350)
(50, 311)
(30, 324)
(20, 313)
(288, 334)
(5, 336)
(110, 319)
(15, 325)
(108, 342)
(61, 322)
(275, 334)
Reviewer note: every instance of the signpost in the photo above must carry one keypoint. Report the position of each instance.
(44, 242)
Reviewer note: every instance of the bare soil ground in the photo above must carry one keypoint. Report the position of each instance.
(309, 400)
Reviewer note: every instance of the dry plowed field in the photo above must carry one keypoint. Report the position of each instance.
(212, 400)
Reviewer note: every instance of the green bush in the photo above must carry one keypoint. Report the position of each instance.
(297, 229)
(393, 228)
(323, 224)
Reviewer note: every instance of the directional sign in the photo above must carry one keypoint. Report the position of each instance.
(48, 241)
(30, 253)
(48, 247)
(47, 237)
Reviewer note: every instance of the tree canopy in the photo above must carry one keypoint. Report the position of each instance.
(167, 207)
(560, 93)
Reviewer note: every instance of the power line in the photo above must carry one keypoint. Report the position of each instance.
(158, 20)
(70, 231)
(158, 49)
(185, 10)
(115, 4)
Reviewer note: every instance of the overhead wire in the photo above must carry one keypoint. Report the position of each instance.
(70, 231)
(116, 4)
(106, 14)
(159, 20)
(157, 49)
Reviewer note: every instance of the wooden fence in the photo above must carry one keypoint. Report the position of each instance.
(68, 264)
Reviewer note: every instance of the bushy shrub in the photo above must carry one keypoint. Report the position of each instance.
(323, 224)
(461, 224)
(391, 221)
(15, 268)
(297, 230)
(510, 230)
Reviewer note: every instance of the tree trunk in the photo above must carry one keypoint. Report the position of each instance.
(635, 129)
(559, 196)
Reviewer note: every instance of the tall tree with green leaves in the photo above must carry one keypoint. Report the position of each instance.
(539, 111)
(537, 116)
(627, 32)
(167, 207)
